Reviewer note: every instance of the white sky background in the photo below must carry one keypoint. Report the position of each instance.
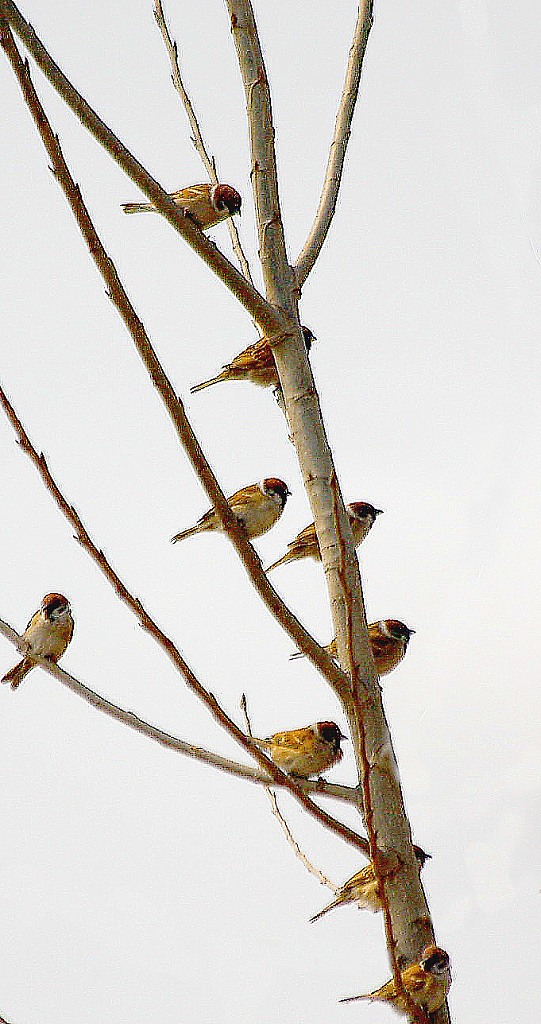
(136, 885)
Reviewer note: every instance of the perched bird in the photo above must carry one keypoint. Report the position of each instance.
(206, 204)
(389, 641)
(47, 634)
(362, 516)
(305, 752)
(257, 507)
(362, 888)
(254, 364)
(427, 982)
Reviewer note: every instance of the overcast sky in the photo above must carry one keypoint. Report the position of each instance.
(139, 886)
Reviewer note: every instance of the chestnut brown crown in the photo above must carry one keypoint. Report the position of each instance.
(330, 732)
(54, 605)
(272, 485)
(434, 960)
(364, 510)
(227, 198)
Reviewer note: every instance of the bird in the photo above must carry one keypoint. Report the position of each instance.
(362, 516)
(254, 364)
(426, 981)
(257, 507)
(362, 888)
(47, 635)
(389, 641)
(206, 204)
(305, 752)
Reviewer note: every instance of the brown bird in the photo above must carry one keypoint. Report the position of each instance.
(257, 507)
(427, 982)
(307, 751)
(47, 634)
(389, 641)
(362, 516)
(362, 888)
(254, 364)
(206, 204)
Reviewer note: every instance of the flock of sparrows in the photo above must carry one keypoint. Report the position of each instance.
(313, 749)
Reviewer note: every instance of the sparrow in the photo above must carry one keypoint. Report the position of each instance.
(206, 204)
(257, 507)
(389, 641)
(362, 516)
(255, 364)
(305, 752)
(47, 634)
(362, 888)
(427, 982)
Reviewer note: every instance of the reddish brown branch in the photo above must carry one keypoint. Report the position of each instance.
(167, 645)
(267, 317)
(173, 404)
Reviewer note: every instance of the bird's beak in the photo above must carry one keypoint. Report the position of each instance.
(378, 511)
(412, 631)
(342, 737)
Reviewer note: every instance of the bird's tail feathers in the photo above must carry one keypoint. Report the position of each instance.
(185, 533)
(281, 561)
(354, 999)
(138, 208)
(330, 906)
(207, 383)
(16, 674)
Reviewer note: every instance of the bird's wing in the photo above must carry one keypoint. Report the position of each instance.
(255, 357)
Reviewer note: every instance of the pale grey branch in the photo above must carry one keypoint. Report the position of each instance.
(342, 131)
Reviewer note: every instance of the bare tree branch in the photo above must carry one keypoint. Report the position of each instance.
(197, 138)
(150, 626)
(406, 915)
(342, 131)
(268, 318)
(328, 668)
(165, 739)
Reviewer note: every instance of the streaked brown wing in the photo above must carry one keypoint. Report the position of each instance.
(296, 739)
(415, 978)
(305, 540)
(190, 194)
(255, 357)
(381, 645)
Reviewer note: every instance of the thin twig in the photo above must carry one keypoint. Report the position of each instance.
(174, 406)
(167, 645)
(266, 316)
(165, 739)
(281, 820)
(197, 138)
(342, 131)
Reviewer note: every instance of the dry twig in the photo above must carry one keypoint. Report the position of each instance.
(342, 131)
(282, 821)
(249, 557)
(208, 162)
(150, 626)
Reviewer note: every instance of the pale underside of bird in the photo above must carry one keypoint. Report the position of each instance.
(363, 888)
(47, 635)
(206, 204)
(307, 751)
(362, 516)
(389, 639)
(254, 364)
(427, 983)
(258, 507)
